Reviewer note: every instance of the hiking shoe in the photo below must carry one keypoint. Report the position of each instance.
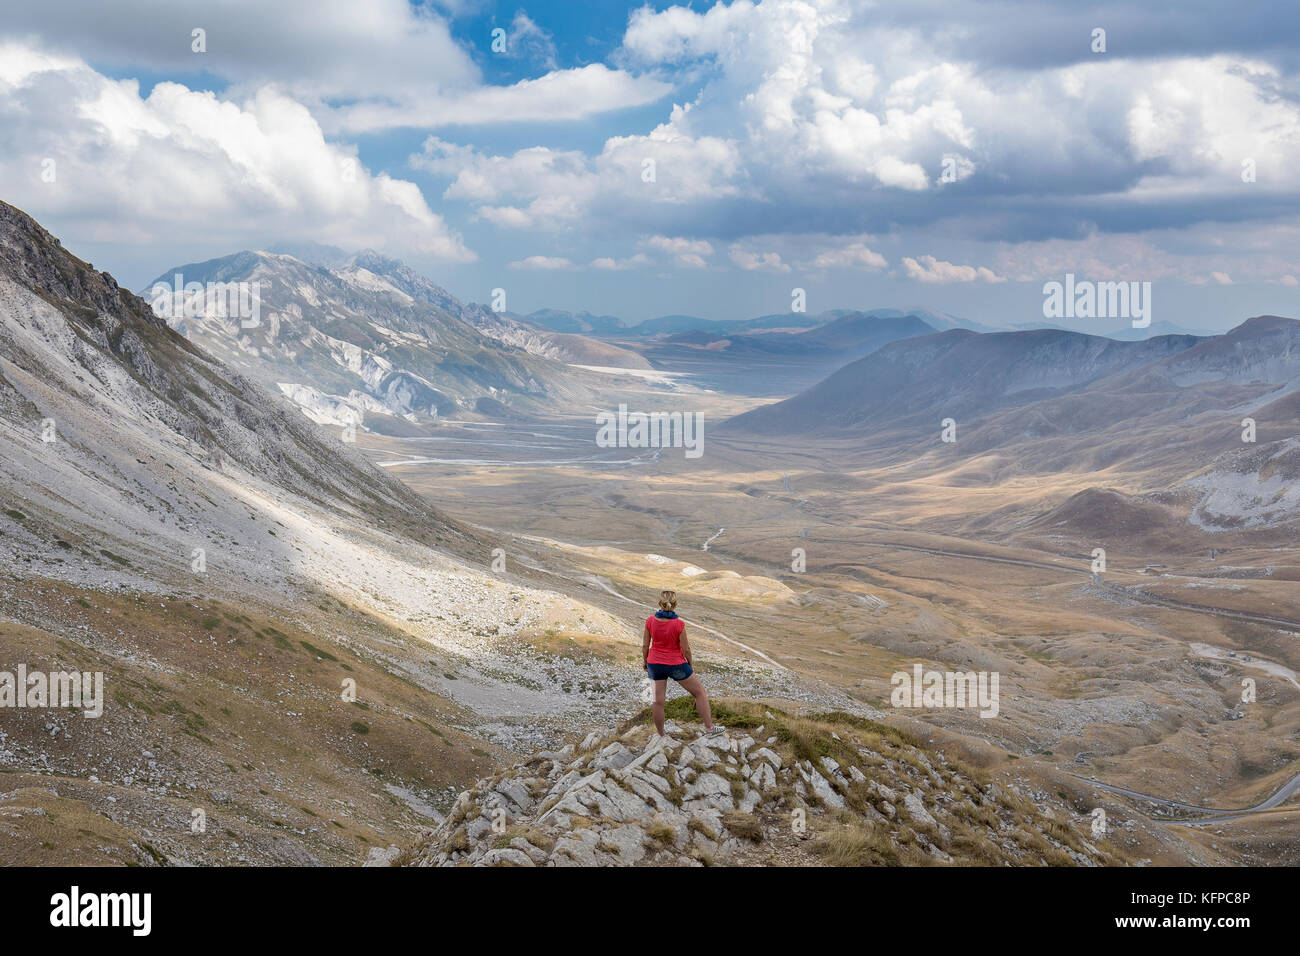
(717, 730)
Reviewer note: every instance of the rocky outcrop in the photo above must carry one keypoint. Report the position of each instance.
(772, 789)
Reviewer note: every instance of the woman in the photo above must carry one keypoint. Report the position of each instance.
(666, 653)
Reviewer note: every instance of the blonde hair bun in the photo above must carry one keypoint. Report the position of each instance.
(668, 600)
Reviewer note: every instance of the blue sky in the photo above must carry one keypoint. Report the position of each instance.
(953, 155)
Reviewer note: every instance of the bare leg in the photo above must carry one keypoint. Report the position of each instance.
(661, 692)
(695, 688)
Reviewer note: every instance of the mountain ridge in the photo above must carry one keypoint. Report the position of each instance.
(957, 372)
(326, 336)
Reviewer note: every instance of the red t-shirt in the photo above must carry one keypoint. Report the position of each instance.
(665, 640)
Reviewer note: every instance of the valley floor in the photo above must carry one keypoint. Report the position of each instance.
(844, 573)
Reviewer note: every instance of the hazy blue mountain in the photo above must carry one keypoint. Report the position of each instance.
(957, 373)
(842, 339)
(581, 323)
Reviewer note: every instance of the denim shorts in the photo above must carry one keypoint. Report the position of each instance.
(678, 672)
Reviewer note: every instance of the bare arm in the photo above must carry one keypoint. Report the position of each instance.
(645, 646)
(686, 646)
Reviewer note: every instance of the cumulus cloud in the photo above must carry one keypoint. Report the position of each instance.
(537, 187)
(793, 118)
(793, 88)
(128, 167)
(542, 262)
(388, 64)
(560, 95)
(930, 269)
(853, 255)
(812, 116)
(632, 179)
(687, 253)
(609, 264)
(758, 261)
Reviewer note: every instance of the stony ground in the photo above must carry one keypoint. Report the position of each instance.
(772, 788)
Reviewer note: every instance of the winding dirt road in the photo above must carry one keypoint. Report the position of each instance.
(1207, 815)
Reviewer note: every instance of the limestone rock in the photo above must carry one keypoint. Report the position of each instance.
(507, 856)
(822, 787)
(917, 810)
(614, 757)
(577, 848)
(627, 842)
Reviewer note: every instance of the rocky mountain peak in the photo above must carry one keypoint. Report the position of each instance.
(34, 258)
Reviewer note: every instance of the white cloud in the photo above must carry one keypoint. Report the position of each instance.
(811, 115)
(542, 262)
(822, 99)
(311, 49)
(1242, 251)
(930, 269)
(687, 253)
(678, 33)
(798, 99)
(506, 216)
(618, 265)
(561, 95)
(129, 168)
(854, 255)
(1215, 277)
(359, 68)
(1097, 257)
(758, 261)
(688, 167)
(537, 187)
(526, 40)
(805, 117)
(550, 189)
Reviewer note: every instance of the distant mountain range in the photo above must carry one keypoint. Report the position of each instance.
(674, 325)
(957, 372)
(1124, 332)
(669, 325)
(1169, 409)
(368, 340)
(841, 339)
(572, 322)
